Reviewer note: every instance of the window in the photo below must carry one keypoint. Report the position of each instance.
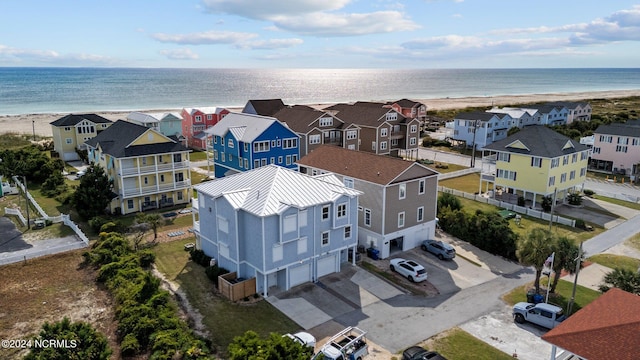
(230, 157)
(198, 118)
(240, 163)
(420, 216)
(67, 128)
(146, 180)
(261, 146)
(413, 128)
(230, 143)
(623, 140)
(289, 224)
(215, 139)
(302, 245)
(215, 154)
(209, 116)
(325, 238)
(289, 143)
(506, 174)
(256, 164)
(246, 163)
(506, 157)
(246, 147)
(347, 232)
(565, 160)
(277, 252)
(279, 159)
(341, 211)
(273, 143)
(552, 181)
(223, 225)
(583, 171)
(179, 195)
(222, 157)
(402, 191)
(596, 150)
(536, 161)
(325, 212)
(348, 183)
(574, 158)
(367, 217)
(161, 177)
(294, 158)
(383, 145)
(401, 219)
(606, 138)
(621, 148)
(129, 204)
(302, 218)
(279, 143)
(384, 132)
(635, 141)
(263, 162)
(412, 141)
(563, 178)
(288, 159)
(178, 177)
(421, 186)
(326, 121)
(373, 145)
(555, 162)
(314, 139)
(68, 140)
(352, 134)
(572, 175)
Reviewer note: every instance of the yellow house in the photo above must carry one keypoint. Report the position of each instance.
(72, 131)
(535, 162)
(149, 170)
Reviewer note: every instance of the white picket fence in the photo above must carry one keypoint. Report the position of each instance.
(512, 207)
(16, 212)
(449, 175)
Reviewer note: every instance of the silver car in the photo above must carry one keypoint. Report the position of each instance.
(438, 248)
(408, 268)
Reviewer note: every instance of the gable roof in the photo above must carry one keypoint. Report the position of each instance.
(371, 116)
(479, 115)
(209, 110)
(116, 141)
(630, 128)
(152, 117)
(244, 127)
(265, 107)
(73, 119)
(299, 118)
(608, 327)
(406, 103)
(271, 189)
(537, 140)
(362, 165)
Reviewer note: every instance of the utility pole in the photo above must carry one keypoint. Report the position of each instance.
(473, 150)
(553, 204)
(33, 126)
(26, 198)
(575, 280)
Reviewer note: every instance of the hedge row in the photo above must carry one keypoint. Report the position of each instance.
(147, 318)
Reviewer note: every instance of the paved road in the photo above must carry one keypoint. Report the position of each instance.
(626, 192)
(612, 237)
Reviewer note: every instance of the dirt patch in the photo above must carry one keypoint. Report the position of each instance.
(48, 289)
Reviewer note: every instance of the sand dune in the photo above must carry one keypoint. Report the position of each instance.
(40, 123)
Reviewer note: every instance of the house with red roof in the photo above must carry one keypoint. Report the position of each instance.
(196, 120)
(607, 328)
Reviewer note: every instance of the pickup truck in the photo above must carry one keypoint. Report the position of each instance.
(545, 315)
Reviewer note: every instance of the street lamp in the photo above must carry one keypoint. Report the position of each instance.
(33, 126)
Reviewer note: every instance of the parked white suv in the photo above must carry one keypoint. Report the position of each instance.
(408, 268)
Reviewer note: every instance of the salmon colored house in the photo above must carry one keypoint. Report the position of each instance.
(196, 120)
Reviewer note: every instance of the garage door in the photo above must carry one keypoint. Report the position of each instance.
(326, 265)
(299, 274)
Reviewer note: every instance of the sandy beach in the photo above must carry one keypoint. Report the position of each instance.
(40, 123)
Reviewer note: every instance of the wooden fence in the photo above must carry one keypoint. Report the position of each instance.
(236, 290)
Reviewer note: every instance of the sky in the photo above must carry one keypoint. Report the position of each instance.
(396, 34)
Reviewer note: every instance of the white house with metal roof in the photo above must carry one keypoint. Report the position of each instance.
(277, 225)
(167, 123)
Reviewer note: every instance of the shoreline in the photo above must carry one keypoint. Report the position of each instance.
(39, 123)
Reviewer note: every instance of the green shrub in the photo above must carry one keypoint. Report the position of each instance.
(546, 203)
(84, 342)
(199, 257)
(449, 200)
(589, 192)
(147, 258)
(521, 201)
(96, 223)
(214, 271)
(574, 198)
(129, 346)
(580, 224)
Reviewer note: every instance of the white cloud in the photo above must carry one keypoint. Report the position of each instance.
(207, 37)
(18, 55)
(315, 17)
(270, 44)
(180, 54)
(265, 9)
(326, 24)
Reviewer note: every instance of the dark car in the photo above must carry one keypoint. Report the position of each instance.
(438, 248)
(418, 353)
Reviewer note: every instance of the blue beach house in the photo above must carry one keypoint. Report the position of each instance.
(277, 225)
(241, 142)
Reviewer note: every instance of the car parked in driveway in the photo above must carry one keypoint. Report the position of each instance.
(438, 248)
(418, 353)
(409, 269)
(303, 338)
(543, 314)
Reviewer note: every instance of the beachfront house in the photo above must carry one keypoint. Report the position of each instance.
(397, 208)
(241, 142)
(382, 130)
(534, 162)
(196, 120)
(576, 111)
(70, 133)
(411, 110)
(167, 123)
(616, 149)
(551, 113)
(149, 170)
(264, 107)
(480, 128)
(276, 225)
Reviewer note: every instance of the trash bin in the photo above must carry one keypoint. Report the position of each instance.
(373, 253)
(530, 295)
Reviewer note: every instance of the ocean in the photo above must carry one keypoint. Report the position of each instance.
(67, 90)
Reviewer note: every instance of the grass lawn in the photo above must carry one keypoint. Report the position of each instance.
(616, 261)
(197, 155)
(457, 344)
(468, 183)
(628, 204)
(438, 166)
(223, 318)
(634, 241)
(562, 296)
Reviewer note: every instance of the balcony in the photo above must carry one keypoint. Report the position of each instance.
(152, 169)
(196, 226)
(489, 159)
(488, 177)
(194, 205)
(160, 188)
(397, 135)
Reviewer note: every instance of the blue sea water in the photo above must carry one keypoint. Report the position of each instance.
(65, 90)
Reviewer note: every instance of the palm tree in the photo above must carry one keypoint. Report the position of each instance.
(623, 279)
(566, 253)
(153, 220)
(534, 249)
